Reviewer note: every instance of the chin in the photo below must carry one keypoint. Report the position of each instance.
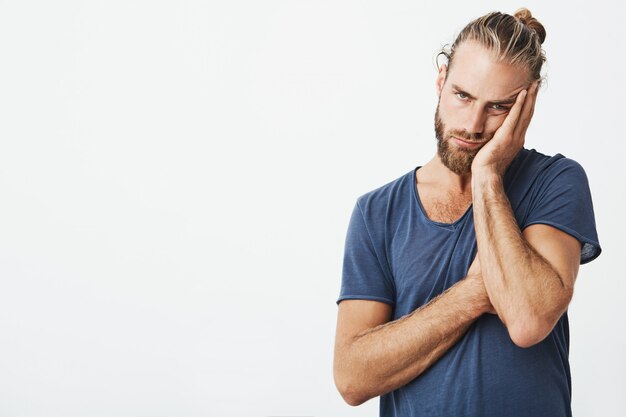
(455, 158)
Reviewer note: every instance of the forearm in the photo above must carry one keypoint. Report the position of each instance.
(389, 356)
(524, 289)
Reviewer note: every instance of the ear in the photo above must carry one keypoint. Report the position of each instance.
(441, 78)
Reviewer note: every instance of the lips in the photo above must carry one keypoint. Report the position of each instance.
(467, 141)
(463, 144)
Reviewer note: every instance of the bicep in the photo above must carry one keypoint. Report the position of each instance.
(561, 250)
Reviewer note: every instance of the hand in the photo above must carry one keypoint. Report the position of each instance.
(474, 273)
(497, 154)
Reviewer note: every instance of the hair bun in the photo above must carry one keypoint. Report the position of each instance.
(527, 19)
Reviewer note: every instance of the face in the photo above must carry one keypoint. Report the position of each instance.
(474, 98)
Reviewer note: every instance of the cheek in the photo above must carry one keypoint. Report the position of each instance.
(494, 122)
(452, 103)
(449, 112)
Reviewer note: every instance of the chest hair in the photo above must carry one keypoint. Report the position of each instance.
(446, 208)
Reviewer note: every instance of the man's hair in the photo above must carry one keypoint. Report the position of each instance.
(513, 39)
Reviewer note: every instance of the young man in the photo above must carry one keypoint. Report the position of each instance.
(457, 276)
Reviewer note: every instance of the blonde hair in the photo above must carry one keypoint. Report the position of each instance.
(513, 39)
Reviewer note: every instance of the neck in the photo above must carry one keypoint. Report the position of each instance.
(436, 173)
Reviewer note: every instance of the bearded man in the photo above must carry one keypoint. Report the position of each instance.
(457, 276)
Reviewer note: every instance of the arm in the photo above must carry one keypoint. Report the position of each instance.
(529, 277)
(372, 358)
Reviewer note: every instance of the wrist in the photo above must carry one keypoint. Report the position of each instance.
(485, 179)
(474, 295)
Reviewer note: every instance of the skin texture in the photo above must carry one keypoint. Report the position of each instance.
(525, 277)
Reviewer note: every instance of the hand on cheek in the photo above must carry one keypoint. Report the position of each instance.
(497, 154)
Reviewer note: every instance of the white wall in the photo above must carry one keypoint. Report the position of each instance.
(176, 180)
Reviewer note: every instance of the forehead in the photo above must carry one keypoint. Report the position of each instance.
(476, 69)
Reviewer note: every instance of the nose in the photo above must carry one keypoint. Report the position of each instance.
(475, 123)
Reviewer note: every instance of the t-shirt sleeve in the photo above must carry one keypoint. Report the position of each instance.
(564, 201)
(363, 274)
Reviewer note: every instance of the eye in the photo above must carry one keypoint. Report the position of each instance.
(459, 94)
(499, 107)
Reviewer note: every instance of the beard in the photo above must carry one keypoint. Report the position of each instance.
(456, 159)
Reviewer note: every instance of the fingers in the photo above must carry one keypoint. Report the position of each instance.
(527, 111)
(516, 110)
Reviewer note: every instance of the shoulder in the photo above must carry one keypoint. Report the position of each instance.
(532, 166)
(378, 201)
(538, 160)
(559, 196)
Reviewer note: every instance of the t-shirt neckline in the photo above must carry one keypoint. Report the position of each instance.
(423, 211)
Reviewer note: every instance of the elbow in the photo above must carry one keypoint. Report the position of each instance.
(351, 391)
(527, 333)
(525, 339)
(352, 396)
(533, 328)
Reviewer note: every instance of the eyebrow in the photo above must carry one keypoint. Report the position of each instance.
(509, 100)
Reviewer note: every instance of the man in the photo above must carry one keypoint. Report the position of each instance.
(457, 276)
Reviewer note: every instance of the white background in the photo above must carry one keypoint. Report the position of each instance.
(176, 180)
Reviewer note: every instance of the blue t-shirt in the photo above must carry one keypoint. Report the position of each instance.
(396, 255)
